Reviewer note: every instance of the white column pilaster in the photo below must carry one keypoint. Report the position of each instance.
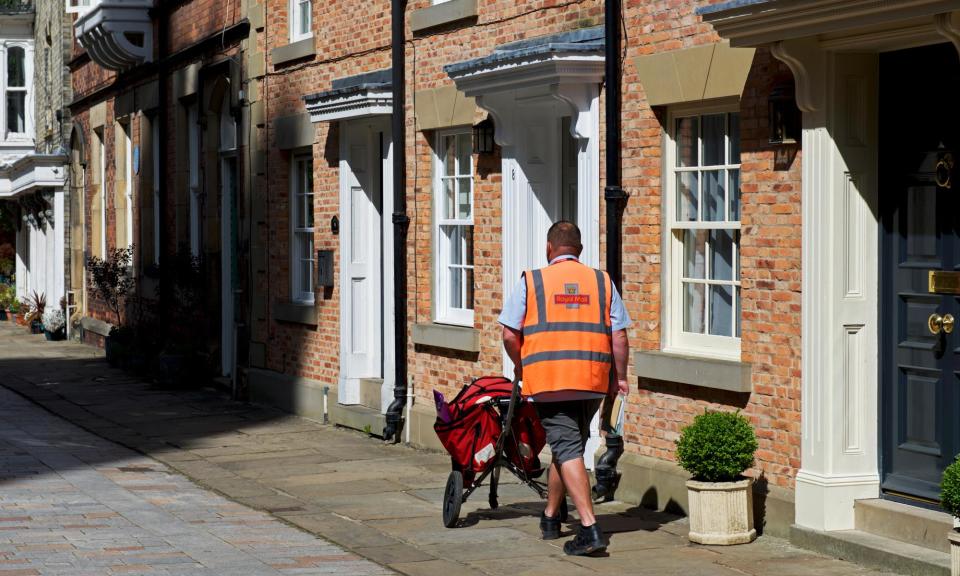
(840, 442)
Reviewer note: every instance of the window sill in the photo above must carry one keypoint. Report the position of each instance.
(293, 51)
(295, 313)
(442, 14)
(462, 338)
(729, 375)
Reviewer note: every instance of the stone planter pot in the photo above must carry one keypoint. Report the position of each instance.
(721, 513)
(954, 537)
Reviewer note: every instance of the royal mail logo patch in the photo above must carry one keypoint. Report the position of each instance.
(571, 297)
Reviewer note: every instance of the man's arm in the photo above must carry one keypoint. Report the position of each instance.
(621, 357)
(512, 340)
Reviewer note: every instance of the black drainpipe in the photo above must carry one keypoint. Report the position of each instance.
(606, 468)
(401, 221)
(166, 276)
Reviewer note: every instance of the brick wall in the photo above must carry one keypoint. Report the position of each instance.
(355, 38)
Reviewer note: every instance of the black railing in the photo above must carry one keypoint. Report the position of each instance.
(16, 6)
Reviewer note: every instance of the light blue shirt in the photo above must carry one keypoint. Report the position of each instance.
(515, 307)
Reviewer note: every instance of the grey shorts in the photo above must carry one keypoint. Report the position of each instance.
(567, 424)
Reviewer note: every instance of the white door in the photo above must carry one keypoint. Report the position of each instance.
(364, 238)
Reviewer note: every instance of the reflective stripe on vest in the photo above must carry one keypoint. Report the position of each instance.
(567, 334)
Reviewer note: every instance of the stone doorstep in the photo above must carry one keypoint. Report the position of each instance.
(904, 523)
(873, 551)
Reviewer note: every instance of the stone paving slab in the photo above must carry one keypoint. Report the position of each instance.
(378, 501)
(72, 503)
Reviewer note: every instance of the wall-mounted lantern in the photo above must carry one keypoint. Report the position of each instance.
(784, 119)
(483, 137)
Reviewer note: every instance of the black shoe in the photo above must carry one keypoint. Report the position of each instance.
(589, 539)
(549, 527)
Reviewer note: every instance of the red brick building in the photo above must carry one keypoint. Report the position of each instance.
(761, 264)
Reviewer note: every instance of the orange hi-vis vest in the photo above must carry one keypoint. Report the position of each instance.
(567, 334)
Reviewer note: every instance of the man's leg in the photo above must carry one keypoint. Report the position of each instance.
(577, 483)
(555, 491)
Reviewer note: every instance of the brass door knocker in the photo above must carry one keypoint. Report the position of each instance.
(944, 171)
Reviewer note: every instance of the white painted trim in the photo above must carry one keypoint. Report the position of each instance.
(443, 313)
(350, 105)
(104, 29)
(296, 295)
(349, 379)
(674, 339)
(295, 21)
(839, 429)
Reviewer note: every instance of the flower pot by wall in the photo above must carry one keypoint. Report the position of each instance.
(721, 513)
(36, 327)
(954, 552)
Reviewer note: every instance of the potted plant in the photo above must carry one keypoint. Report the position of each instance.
(16, 311)
(54, 324)
(716, 449)
(112, 281)
(7, 295)
(37, 305)
(950, 500)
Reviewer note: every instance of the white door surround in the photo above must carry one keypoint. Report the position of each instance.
(832, 48)
(366, 270)
(529, 100)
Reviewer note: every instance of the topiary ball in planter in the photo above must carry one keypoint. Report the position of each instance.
(716, 449)
(950, 500)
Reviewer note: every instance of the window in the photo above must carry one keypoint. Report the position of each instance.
(125, 161)
(703, 244)
(16, 90)
(300, 20)
(453, 190)
(193, 154)
(102, 180)
(302, 258)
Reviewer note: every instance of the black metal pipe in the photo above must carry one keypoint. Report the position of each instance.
(606, 468)
(166, 224)
(401, 221)
(613, 193)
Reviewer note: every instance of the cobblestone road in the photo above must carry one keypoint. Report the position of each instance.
(74, 504)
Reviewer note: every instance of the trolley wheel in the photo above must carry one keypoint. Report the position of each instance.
(452, 498)
(564, 511)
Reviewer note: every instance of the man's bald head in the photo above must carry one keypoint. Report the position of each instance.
(563, 238)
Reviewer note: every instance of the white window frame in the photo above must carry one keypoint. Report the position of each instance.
(193, 180)
(675, 339)
(296, 21)
(26, 90)
(102, 180)
(126, 127)
(443, 312)
(298, 161)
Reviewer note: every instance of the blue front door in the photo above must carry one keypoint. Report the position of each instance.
(920, 269)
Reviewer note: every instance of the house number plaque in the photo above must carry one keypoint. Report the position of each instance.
(944, 282)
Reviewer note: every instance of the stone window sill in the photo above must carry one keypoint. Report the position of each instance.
(293, 51)
(462, 338)
(694, 370)
(295, 313)
(442, 14)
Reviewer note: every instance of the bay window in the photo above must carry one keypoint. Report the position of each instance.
(16, 91)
